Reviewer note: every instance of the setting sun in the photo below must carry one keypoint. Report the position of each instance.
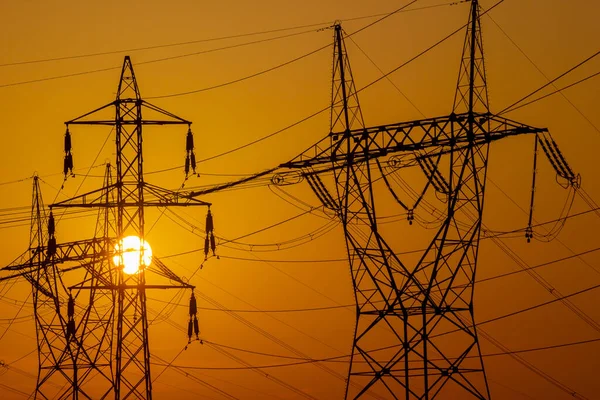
(130, 253)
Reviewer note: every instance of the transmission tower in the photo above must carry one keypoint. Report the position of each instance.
(104, 334)
(415, 335)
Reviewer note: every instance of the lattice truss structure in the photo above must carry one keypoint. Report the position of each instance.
(415, 334)
(91, 316)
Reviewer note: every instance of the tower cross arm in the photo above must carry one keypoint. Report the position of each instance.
(81, 250)
(155, 197)
(30, 262)
(433, 135)
(168, 118)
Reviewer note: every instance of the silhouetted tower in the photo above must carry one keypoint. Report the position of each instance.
(83, 346)
(51, 327)
(65, 368)
(132, 355)
(415, 335)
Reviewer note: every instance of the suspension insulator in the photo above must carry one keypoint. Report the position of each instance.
(69, 162)
(209, 222)
(213, 246)
(193, 305)
(70, 329)
(189, 142)
(71, 307)
(187, 165)
(51, 246)
(66, 166)
(193, 159)
(206, 247)
(51, 225)
(190, 330)
(67, 141)
(196, 328)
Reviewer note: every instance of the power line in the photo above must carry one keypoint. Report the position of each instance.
(14, 318)
(239, 360)
(388, 78)
(560, 91)
(548, 79)
(154, 61)
(262, 311)
(337, 358)
(577, 255)
(136, 49)
(201, 52)
(175, 44)
(561, 298)
(508, 109)
(16, 391)
(235, 149)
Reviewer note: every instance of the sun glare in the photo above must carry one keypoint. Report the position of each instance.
(130, 252)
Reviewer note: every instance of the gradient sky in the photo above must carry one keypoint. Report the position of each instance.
(36, 98)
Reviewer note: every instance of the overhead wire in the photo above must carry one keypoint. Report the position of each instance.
(337, 359)
(545, 284)
(259, 330)
(561, 91)
(387, 77)
(551, 82)
(202, 52)
(593, 208)
(558, 297)
(544, 264)
(262, 138)
(203, 383)
(152, 61)
(239, 360)
(188, 42)
(486, 236)
(16, 391)
(269, 335)
(263, 311)
(305, 309)
(14, 318)
(284, 244)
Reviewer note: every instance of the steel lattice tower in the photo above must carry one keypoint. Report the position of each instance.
(415, 334)
(64, 362)
(107, 335)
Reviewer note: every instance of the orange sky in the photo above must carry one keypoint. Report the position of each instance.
(554, 35)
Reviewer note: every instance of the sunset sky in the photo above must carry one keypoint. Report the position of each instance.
(289, 285)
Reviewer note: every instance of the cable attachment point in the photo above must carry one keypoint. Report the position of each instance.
(68, 162)
(410, 216)
(529, 233)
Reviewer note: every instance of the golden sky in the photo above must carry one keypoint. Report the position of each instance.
(284, 268)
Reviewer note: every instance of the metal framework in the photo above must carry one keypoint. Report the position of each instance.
(415, 334)
(104, 332)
